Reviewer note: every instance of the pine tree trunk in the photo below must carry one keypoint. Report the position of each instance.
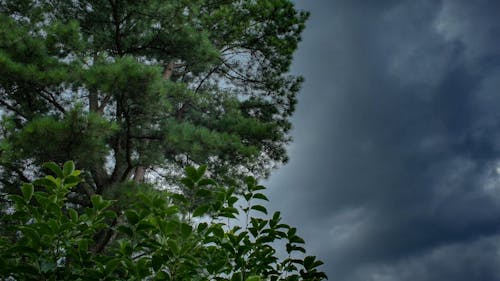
(139, 174)
(169, 70)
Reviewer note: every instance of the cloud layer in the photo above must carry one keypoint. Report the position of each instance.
(394, 169)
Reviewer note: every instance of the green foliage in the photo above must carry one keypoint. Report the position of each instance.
(76, 133)
(155, 237)
(147, 85)
(130, 89)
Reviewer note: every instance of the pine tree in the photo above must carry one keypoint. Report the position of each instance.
(128, 89)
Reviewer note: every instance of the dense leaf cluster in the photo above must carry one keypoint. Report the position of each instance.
(133, 91)
(160, 236)
(135, 88)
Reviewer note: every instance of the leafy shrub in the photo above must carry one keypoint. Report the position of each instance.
(159, 236)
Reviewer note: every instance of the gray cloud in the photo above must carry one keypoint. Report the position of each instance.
(393, 172)
(480, 258)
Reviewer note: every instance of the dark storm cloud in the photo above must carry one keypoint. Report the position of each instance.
(393, 173)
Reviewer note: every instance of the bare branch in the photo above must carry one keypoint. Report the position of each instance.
(12, 108)
(205, 78)
(51, 99)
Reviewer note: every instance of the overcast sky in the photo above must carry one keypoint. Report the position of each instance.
(395, 168)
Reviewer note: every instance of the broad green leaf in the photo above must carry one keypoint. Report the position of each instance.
(27, 190)
(206, 181)
(99, 203)
(202, 192)
(73, 214)
(132, 216)
(317, 263)
(145, 225)
(232, 200)
(54, 168)
(230, 210)
(292, 248)
(42, 199)
(201, 171)
(109, 214)
(201, 210)
(296, 239)
(68, 168)
(53, 198)
(217, 231)
(202, 226)
(96, 200)
(44, 182)
(71, 181)
(275, 220)
(170, 210)
(54, 226)
(260, 196)
(171, 226)
(257, 187)
(310, 262)
(250, 181)
(186, 230)
(247, 196)
(192, 173)
(188, 182)
(259, 208)
(55, 181)
(172, 244)
(125, 230)
(253, 231)
(179, 197)
(126, 247)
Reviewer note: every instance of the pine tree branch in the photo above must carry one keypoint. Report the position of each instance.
(239, 76)
(50, 98)
(13, 109)
(206, 77)
(104, 103)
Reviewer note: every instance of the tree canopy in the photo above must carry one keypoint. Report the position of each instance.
(129, 89)
(133, 92)
(157, 237)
